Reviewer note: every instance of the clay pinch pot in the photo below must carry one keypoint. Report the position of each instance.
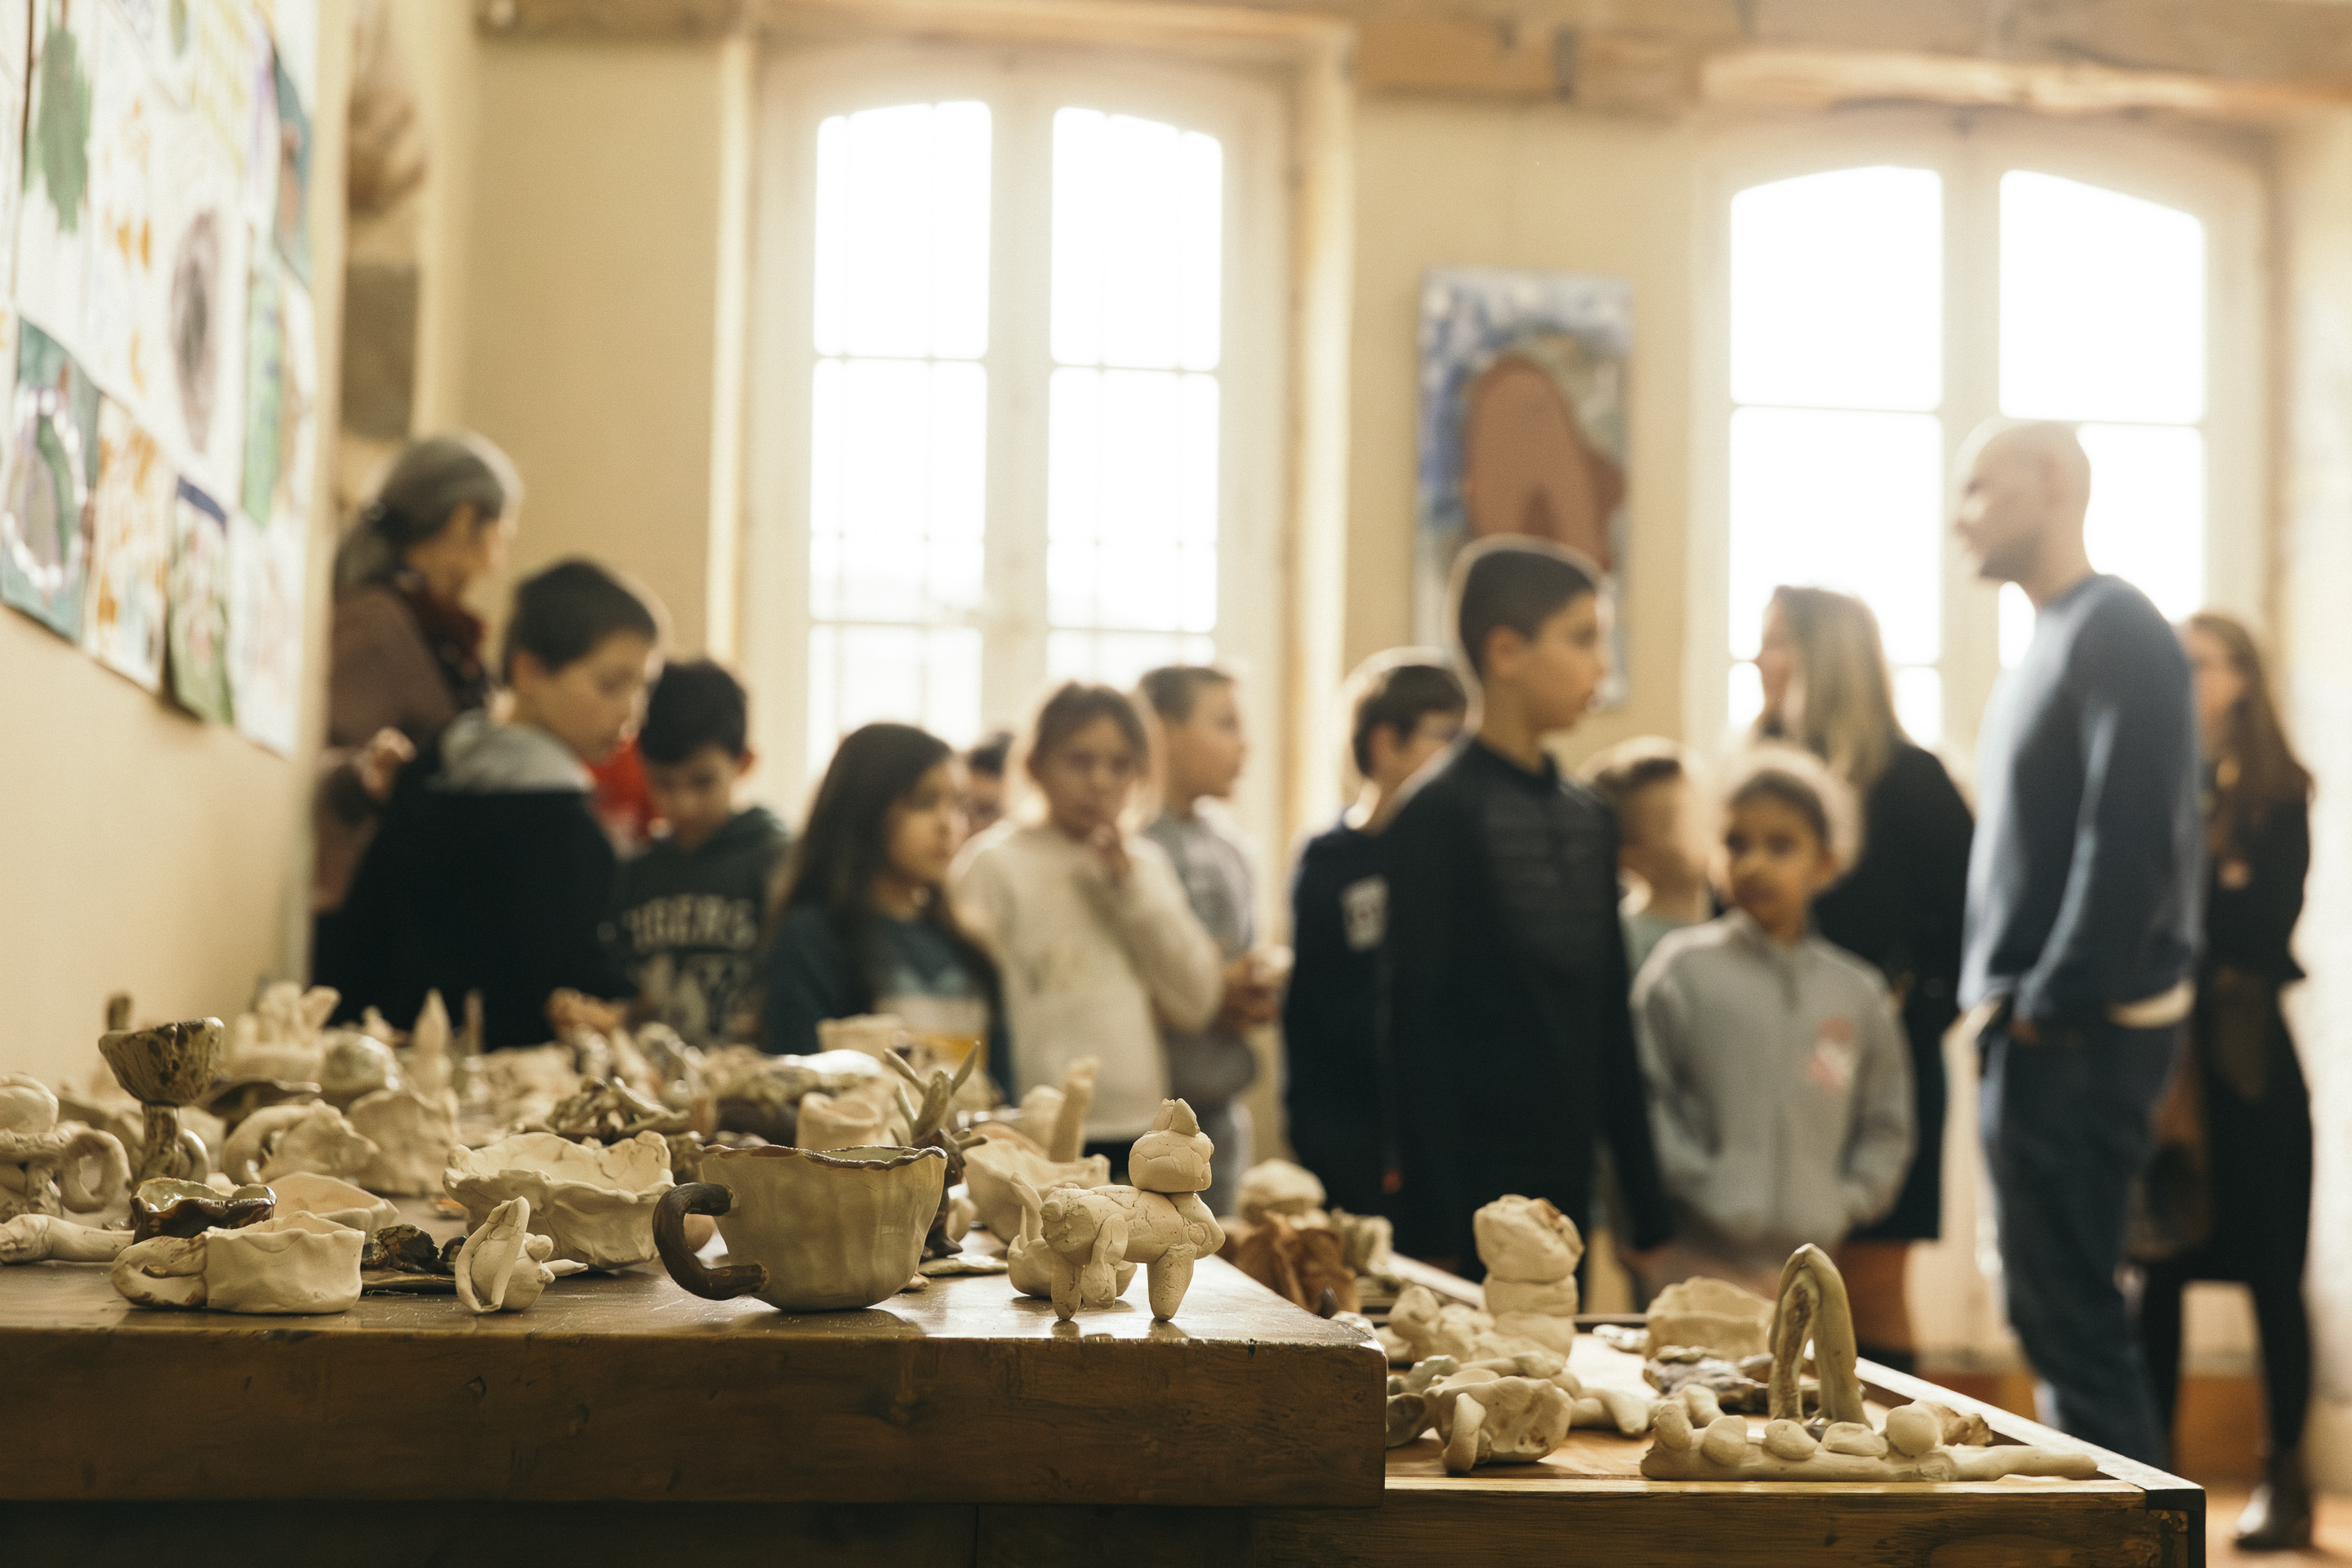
(163, 1069)
(595, 1202)
(807, 1232)
(168, 1207)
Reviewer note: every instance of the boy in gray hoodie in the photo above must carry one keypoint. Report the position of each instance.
(1779, 1079)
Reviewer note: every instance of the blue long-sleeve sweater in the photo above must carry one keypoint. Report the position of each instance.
(2085, 876)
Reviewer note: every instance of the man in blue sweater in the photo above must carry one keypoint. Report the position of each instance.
(2082, 923)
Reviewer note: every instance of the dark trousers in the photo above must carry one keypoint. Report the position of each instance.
(2066, 1128)
(2285, 1336)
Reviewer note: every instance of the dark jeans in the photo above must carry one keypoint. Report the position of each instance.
(2065, 1126)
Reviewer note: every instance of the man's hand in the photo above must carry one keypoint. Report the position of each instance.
(380, 762)
(1109, 849)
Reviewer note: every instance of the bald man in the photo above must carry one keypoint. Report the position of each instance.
(2082, 924)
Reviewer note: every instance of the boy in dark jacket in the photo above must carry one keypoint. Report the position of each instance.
(491, 872)
(1508, 1041)
(692, 904)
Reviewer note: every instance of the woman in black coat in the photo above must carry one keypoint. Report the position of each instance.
(1901, 908)
(2240, 1082)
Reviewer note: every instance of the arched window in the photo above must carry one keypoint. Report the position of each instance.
(1872, 312)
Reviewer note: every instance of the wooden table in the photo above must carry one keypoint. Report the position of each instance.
(621, 1417)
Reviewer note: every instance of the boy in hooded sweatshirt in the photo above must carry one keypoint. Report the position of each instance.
(1779, 1079)
(693, 901)
(491, 872)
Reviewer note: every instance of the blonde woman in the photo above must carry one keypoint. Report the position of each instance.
(1826, 688)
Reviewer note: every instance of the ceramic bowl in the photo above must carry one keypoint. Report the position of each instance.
(167, 1207)
(171, 1064)
(594, 1201)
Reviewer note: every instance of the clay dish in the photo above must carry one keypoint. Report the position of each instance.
(595, 1202)
(167, 1207)
(352, 1207)
(807, 1232)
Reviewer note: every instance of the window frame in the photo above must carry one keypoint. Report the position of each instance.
(1970, 150)
(800, 87)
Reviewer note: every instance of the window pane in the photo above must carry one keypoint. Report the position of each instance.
(1849, 501)
(2147, 510)
(1139, 242)
(1837, 291)
(2102, 304)
(1130, 504)
(902, 231)
(1919, 703)
(914, 675)
(1744, 704)
(897, 489)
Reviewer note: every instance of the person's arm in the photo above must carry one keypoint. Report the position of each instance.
(1682, 1133)
(1172, 951)
(2279, 862)
(805, 984)
(1428, 860)
(2137, 840)
(1624, 1092)
(1878, 1156)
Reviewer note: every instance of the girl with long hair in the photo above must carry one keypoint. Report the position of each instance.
(1088, 922)
(1901, 906)
(864, 923)
(2240, 1084)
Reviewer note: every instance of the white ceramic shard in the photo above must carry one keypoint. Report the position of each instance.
(288, 1263)
(595, 1202)
(503, 1267)
(337, 1201)
(40, 1237)
(413, 1135)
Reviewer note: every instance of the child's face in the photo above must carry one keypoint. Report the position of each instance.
(1397, 757)
(984, 800)
(1775, 863)
(1558, 671)
(1086, 778)
(697, 796)
(922, 829)
(1206, 749)
(593, 703)
(1655, 840)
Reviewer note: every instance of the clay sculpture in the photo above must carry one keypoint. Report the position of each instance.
(596, 1202)
(1922, 1442)
(413, 1134)
(163, 1069)
(1030, 1261)
(807, 1232)
(168, 1207)
(285, 1139)
(1530, 1250)
(426, 1066)
(1507, 1420)
(503, 1267)
(1159, 1222)
(341, 1203)
(1709, 1314)
(43, 1238)
(283, 1036)
(933, 1126)
(1001, 1157)
(43, 1164)
(290, 1263)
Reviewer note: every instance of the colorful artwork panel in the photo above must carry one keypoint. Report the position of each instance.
(57, 228)
(131, 549)
(199, 615)
(265, 631)
(51, 466)
(281, 398)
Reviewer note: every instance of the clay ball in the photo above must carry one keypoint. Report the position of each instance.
(1785, 1439)
(1914, 1429)
(1726, 1442)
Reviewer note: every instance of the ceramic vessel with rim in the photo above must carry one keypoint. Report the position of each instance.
(807, 1232)
(596, 1202)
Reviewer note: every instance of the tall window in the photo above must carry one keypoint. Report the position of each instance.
(1873, 315)
(1026, 318)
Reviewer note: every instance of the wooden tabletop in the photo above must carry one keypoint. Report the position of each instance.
(627, 1388)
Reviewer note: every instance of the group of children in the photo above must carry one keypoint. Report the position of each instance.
(1477, 1009)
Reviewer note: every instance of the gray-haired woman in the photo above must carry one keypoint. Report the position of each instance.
(405, 654)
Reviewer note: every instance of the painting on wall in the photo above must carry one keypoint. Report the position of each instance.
(1522, 424)
(132, 125)
(281, 397)
(55, 228)
(199, 615)
(292, 211)
(265, 631)
(131, 549)
(52, 462)
(198, 314)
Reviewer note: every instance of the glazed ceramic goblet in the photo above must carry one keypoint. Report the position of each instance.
(807, 1232)
(163, 1069)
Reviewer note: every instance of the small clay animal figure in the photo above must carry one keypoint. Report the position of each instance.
(1159, 1222)
(933, 1125)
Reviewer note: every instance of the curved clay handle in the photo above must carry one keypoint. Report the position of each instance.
(677, 1255)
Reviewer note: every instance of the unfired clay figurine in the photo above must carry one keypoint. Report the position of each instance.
(285, 1139)
(1159, 1222)
(426, 1066)
(934, 1124)
(597, 1203)
(287, 1264)
(1530, 1250)
(829, 1124)
(1509, 1420)
(1030, 1261)
(43, 1164)
(806, 1231)
(413, 1134)
(282, 1036)
(992, 1164)
(1712, 1315)
(41, 1237)
(339, 1202)
(163, 1069)
(1923, 1442)
(503, 1267)
(353, 1066)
